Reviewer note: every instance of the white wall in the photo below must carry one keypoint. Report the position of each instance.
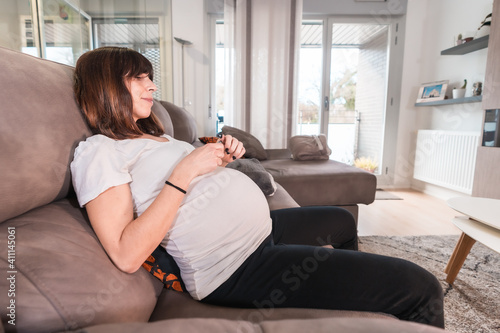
(190, 22)
(432, 26)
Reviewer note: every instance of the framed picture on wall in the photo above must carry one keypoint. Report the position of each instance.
(432, 91)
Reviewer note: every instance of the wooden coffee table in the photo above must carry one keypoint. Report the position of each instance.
(481, 224)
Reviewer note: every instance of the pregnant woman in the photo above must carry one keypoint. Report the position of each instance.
(142, 188)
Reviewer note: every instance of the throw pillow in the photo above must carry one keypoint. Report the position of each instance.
(309, 147)
(256, 172)
(253, 147)
(163, 266)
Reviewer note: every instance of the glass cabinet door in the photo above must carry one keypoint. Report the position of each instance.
(18, 31)
(65, 33)
(57, 30)
(62, 30)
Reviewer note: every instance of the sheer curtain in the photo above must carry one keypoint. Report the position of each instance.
(262, 40)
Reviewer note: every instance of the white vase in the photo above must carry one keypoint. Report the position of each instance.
(483, 31)
(458, 93)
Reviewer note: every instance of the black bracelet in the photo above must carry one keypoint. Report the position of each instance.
(176, 187)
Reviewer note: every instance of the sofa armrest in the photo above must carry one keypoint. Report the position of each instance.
(281, 199)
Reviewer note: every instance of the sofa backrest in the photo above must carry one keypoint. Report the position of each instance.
(183, 122)
(40, 127)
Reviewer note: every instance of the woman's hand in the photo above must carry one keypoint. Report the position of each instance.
(200, 161)
(233, 149)
(205, 159)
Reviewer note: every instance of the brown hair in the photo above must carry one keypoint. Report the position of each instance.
(102, 93)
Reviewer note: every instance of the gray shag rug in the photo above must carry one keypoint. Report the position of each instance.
(472, 303)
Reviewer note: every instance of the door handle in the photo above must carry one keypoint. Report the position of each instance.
(326, 103)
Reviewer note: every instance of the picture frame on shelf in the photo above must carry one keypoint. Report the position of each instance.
(432, 91)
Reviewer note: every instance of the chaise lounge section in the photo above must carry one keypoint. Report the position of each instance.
(322, 182)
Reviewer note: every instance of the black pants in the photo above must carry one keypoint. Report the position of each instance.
(290, 270)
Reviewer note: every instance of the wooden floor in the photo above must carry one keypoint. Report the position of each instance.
(416, 214)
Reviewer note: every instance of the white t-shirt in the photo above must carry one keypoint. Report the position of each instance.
(222, 219)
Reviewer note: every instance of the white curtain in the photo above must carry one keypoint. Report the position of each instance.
(262, 41)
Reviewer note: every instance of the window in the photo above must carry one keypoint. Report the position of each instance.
(142, 35)
(62, 30)
(310, 78)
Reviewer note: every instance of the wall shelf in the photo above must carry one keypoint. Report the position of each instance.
(473, 45)
(472, 99)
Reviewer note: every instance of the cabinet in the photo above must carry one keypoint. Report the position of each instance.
(487, 171)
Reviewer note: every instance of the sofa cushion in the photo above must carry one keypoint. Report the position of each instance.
(288, 325)
(340, 184)
(253, 147)
(40, 128)
(172, 305)
(64, 279)
(184, 123)
(205, 325)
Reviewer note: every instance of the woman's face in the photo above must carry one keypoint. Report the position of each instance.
(141, 88)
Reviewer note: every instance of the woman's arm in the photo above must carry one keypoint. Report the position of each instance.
(127, 240)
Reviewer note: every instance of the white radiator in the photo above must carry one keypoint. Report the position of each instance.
(446, 158)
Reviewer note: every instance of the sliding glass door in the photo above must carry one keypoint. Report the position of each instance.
(343, 77)
(357, 90)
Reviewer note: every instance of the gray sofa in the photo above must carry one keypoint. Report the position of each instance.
(59, 277)
(320, 182)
